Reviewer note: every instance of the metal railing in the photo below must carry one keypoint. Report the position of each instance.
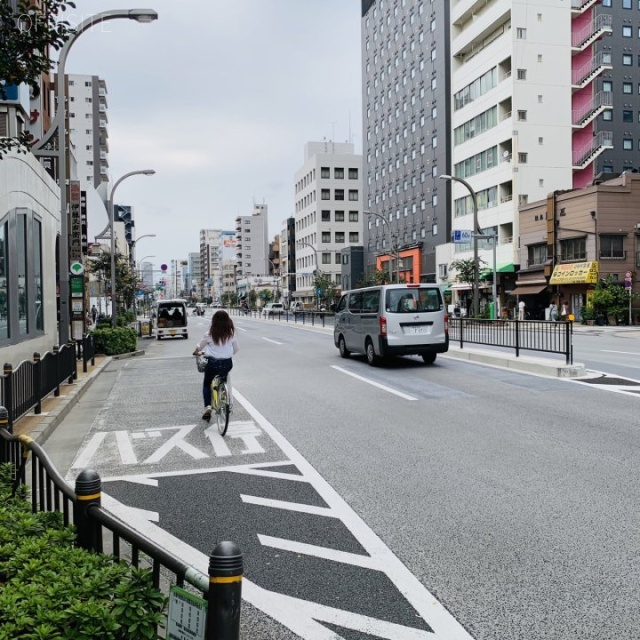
(24, 388)
(308, 316)
(527, 335)
(81, 506)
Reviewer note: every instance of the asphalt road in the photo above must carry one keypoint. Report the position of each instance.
(405, 502)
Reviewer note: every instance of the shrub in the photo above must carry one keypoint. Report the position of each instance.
(113, 341)
(51, 590)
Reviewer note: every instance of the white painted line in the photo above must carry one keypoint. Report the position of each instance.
(177, 441)
(288, 506)
(270, 340)
(384, 387)
(218, 443)
(125, 448)
(89, 451)
(626, 353)
(325, 553)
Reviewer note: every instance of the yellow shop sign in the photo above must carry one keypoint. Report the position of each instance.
(575, 273)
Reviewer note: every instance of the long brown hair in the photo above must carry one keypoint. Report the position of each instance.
(221, 328)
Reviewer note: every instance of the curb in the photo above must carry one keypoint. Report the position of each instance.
(131, 354)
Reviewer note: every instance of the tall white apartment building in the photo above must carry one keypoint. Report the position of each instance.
(328, 211)
(252, 243)
(88, 132)
(511, 119)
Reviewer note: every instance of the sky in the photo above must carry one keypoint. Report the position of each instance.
(219, 97)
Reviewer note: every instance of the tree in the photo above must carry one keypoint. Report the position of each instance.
(327, 290)
(28, 33)
(465, 269)
(372, 278)
(126, 281)
(610, 298)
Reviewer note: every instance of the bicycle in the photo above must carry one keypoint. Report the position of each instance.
(221, 401)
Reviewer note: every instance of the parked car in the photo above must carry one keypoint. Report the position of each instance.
(296, 306)
(272, 308)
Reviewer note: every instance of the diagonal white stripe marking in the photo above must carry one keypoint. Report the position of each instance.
(384, 387)
(89, 451)
(325, 553)
(270, 340)
(289, 506)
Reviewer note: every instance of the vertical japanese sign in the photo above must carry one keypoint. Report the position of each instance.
(83, 222)
(75, 246)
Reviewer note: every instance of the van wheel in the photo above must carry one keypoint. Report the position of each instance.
(429, 358)
(372, 358)
(186, 336)
(342, 347)
(159, 337)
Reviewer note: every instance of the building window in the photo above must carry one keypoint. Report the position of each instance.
(339, 216)
(521, 33)
(537, 254)
(627, 87)
(523, 157)
(522, 74)
(325, 216)
(353, 216)
(353, 195)
(627, 32)
(573, 249)
(606, 3)
(626, 4)
(522, 115)
(325, 172)
(21, 273)
(611, 247)
(339, 237)
(326, 237)
(627, 115)
(353, 236)
(325, 194)
(338, 173)
(627, 144)
(338, 194)
(326, 258)
(627, 60)
(607, 115)
(353, 174)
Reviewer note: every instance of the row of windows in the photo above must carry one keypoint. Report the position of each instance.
(626, 4)
(338, 173)
(475, 89)
(481, 123)
(627, 31)
(627, 87)
(338, 216)
(338, 194)
(326, 257)
(627, 115)
(477, 163)
(485, 199)
(379, 245)
(339, 237)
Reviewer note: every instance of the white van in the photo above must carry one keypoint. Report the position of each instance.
(171, 320)
(392, 320)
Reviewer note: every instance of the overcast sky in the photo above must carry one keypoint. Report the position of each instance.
(219, 97)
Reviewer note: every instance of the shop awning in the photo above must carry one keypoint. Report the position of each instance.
(575, 273)
(464, 286)
(487, 272)
(528, 290)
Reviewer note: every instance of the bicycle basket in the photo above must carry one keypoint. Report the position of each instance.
(201, 363)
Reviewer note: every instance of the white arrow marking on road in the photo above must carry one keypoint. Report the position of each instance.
(270, 340)
(218, 443)
(85, 457)
(288, 506)
(177, 442)
(384, 387)
(247, 431)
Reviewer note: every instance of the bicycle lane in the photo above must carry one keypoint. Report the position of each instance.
(311, 563)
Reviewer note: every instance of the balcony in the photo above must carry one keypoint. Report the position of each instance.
(580, 6)
(588, 153)
(592, 32)
(103, 124)
(583, 116)
(587, 73)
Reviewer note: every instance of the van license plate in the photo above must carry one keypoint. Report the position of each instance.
(415, 330)
(172, 332)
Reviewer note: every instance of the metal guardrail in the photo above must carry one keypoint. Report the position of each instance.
(528, 335)
(308, 316)
(24, 388)
(221, 588)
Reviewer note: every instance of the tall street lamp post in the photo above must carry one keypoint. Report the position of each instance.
(114, 304)
(476, 234)
(59, 126)
(315, 253)
(388, 226)
(134, 244)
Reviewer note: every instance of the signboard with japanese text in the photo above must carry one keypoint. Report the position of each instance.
(187, 615)
(75, 235)
(575, 273)
(83, 222)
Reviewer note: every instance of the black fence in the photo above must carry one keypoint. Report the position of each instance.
(24, 388)
(308, 316)
(98, 530)
(527, 335)
(86, 350)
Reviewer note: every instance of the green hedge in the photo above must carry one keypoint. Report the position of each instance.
(113, 341)
(51, 590)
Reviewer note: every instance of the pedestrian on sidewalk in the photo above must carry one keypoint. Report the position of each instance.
(553, 312)
(94, 314)
(564, 312)
(521, 306)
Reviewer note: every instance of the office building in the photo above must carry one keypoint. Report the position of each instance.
(252, 243)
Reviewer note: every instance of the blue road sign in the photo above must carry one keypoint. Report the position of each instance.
(461, 236)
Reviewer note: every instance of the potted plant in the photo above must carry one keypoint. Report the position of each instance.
(588, 316)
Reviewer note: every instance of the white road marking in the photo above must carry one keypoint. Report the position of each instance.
(217, 442)
(85, 457)
(627, 353)
(384, 387)
(125, 448)
(303, 548)
(177, 441)
(288, 506)
(270, 340)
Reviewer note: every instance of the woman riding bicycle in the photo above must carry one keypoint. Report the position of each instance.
(218, 345)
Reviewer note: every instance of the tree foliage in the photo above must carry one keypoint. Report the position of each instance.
(324, 283)
(375, 277)
(28, 34)
(610, 298)
(126, 281)
(465, 269)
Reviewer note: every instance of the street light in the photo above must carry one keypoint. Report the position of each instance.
(273, 266)
(114, 304)
(315, 253)
(384, 220)
(476, 233)
(134, 243)
(58, 126)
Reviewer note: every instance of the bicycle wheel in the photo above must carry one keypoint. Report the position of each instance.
(222, 414)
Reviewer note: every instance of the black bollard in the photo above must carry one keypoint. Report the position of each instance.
(225, 592)
(88, 492)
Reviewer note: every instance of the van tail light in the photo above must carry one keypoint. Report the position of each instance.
(446, 323)
(383, 327)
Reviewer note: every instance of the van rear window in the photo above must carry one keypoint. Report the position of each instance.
(413, 300)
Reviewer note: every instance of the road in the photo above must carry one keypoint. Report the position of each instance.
(405, 502)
